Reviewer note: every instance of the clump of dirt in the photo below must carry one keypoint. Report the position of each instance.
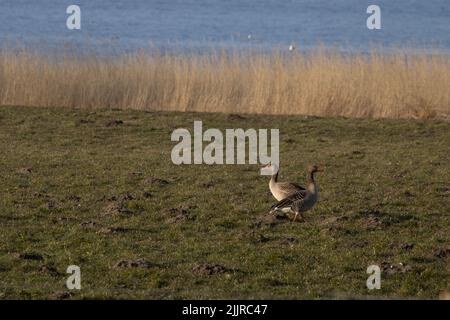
(406, 246)
(147, 194)
(254, 236)
(113, 123)
(289, 140)
(73, 197)
(177, 215)
(360, 244)
(63, 219)
(274, 282)
(208, 269)
(328, 230)
(332, 220)
(371, 218)
(135, 174)
(288, 240)
(356, 154)
(115, 208)
(442, 253)
(408, 194)
(41, 195)
(334, 228)
(270, 219)
(122, 197)
(372, 223)
(25, 170)
(139, 263)
(156, 181)
(29, 256)
(52, 204)
(117, 204)
(371, 212)
(46, 269)
(112, 208)
(113, 230)
(209, 184)
(443, 191)
(235, 116)
(84, 121)
(89, 224)
(61, 295)
(389, 268)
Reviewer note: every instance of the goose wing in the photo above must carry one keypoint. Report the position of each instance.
(292, 186)
(289, 187)
(294, 200)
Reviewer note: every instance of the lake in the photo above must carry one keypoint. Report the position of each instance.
(129, 25)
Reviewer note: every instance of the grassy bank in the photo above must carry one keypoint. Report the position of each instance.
(321, 82)
(98, 190)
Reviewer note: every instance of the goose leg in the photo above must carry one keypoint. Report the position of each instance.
(298, 213)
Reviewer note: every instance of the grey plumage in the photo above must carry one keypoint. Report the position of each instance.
(302, 200)
(282, 190)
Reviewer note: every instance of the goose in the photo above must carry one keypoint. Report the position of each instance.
(281, 190)
(302, 200)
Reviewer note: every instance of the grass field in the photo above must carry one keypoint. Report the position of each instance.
(97, 189)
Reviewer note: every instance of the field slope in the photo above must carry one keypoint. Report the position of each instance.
(98, 190)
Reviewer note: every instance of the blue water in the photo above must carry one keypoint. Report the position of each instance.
(129, 25)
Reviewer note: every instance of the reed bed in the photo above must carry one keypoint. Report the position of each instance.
(320, 82)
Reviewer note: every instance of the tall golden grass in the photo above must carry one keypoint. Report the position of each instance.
(321, 82)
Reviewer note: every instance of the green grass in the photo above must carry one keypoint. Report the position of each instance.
(66, 177)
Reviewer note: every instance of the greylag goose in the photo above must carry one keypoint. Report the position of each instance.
(281, 190)
(302, 200)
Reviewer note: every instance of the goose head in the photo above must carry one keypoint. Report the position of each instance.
(271, 168)
(314, 168)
